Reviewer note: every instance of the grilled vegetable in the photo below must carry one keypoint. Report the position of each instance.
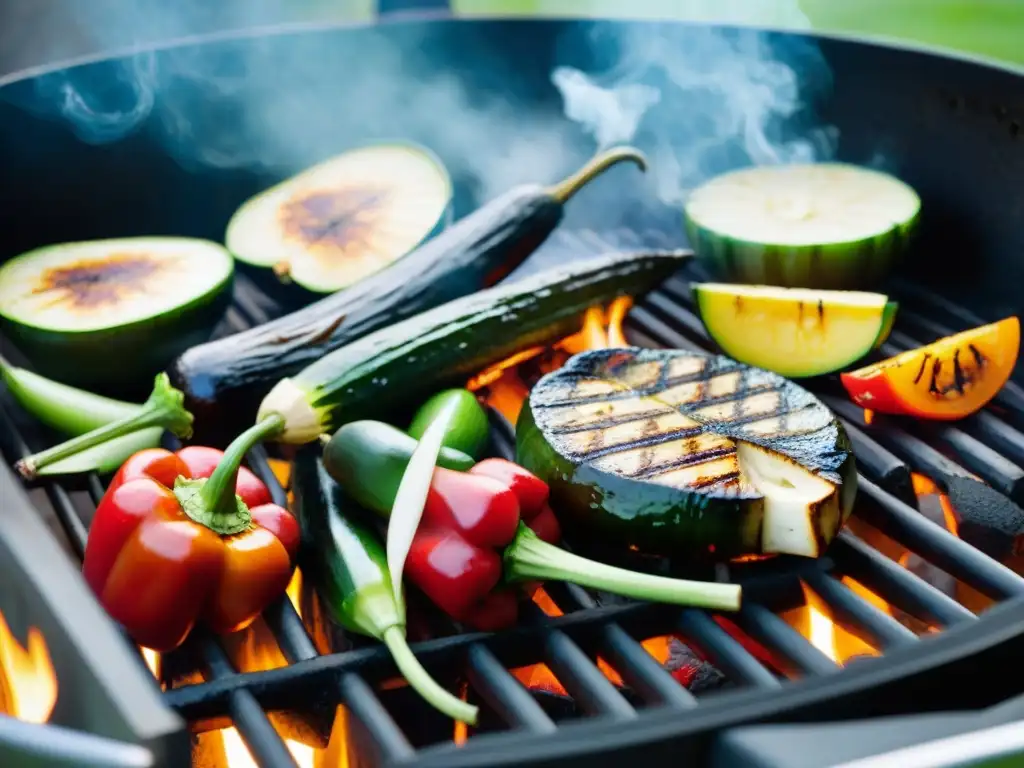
(947, 379)
(345, 218)
(682, 453)
(105, 431)
(186, 537)
(379, 453)
(348, 567)
(476, 537)
(794, 331)
(813, 226)
(443, 346)
(110, 314)
(469, 428)
(473, 253)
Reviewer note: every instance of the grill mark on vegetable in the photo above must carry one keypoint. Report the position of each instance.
(821, 312)
(924, 363)
(627, 392)
(692, 460)
(979, 358)
(933, 384)
(684, 409)
(715, 428)
(959, 380)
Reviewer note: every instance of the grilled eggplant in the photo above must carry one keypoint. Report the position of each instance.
(223, 380)
(683, 453)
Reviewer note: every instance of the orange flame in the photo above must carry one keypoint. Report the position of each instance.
(504, 388)
(28, 681)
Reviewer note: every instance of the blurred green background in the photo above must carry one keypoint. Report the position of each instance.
(988, 28)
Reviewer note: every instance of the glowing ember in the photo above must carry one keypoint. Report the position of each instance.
(829, 637)
(28, 681)
(153, 661)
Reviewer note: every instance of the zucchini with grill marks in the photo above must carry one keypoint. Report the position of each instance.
(689, 454)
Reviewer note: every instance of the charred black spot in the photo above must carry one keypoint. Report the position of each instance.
(924, 364)
(340, 218)
(959, 380)
(821, 312)
(933, 385)
(93, 283)
(979, 359)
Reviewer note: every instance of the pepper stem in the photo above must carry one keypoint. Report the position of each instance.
(421, 681)
(164, 408)
(212, 501)
(528, 558)
(569, 186)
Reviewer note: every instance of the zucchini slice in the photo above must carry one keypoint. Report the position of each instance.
(685, 454)
(111, 314)
(796, 332)
(824, 225)
(345, 218)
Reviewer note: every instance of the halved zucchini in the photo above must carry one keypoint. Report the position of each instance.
(685, 454)
(794, 331)
(345, 218)
(111, 314)
(824, 225)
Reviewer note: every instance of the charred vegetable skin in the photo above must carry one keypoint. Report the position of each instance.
(640, 450)
(475, 252)
(447, 344)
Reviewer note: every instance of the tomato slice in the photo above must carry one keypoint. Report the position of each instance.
(947, 379)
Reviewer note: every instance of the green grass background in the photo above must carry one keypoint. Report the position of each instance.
(987, 28)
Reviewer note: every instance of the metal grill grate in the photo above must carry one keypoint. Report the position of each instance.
(988, 445)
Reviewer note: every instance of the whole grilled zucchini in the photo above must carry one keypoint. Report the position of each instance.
(223, 380)
(413, 359)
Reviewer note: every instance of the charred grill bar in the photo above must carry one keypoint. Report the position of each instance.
(651, 698)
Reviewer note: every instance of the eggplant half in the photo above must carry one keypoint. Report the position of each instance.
(345, 218)
(108, 315)
(686, 454)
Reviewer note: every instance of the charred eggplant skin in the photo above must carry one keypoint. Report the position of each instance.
(224, 380)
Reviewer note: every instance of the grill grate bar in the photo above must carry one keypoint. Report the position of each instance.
(14, 445)
(997, 433)
(725, 651)
(249, 718)
(504, 694)
(895, 584)
(377, 733)
(999, 472)
(588, 686)
(884, 630)
(635, 665)
(950, 553)
(775, 634)
(880, 464)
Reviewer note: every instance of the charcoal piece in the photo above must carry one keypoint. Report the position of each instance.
(693, 673)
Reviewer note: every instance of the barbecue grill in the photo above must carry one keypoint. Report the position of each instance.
(932, 608)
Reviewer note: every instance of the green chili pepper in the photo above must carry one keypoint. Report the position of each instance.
(348, 566)
(380, 453)
(104, 431)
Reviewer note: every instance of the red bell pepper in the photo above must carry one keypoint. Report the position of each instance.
(476, 539)
(188, 537)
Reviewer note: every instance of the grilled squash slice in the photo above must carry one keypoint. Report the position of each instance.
(681, 453)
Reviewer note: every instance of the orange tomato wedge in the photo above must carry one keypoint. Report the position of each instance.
(947, 379)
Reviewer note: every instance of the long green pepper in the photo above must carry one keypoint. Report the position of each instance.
(348, 565)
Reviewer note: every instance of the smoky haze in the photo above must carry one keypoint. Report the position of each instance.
(697, 100)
